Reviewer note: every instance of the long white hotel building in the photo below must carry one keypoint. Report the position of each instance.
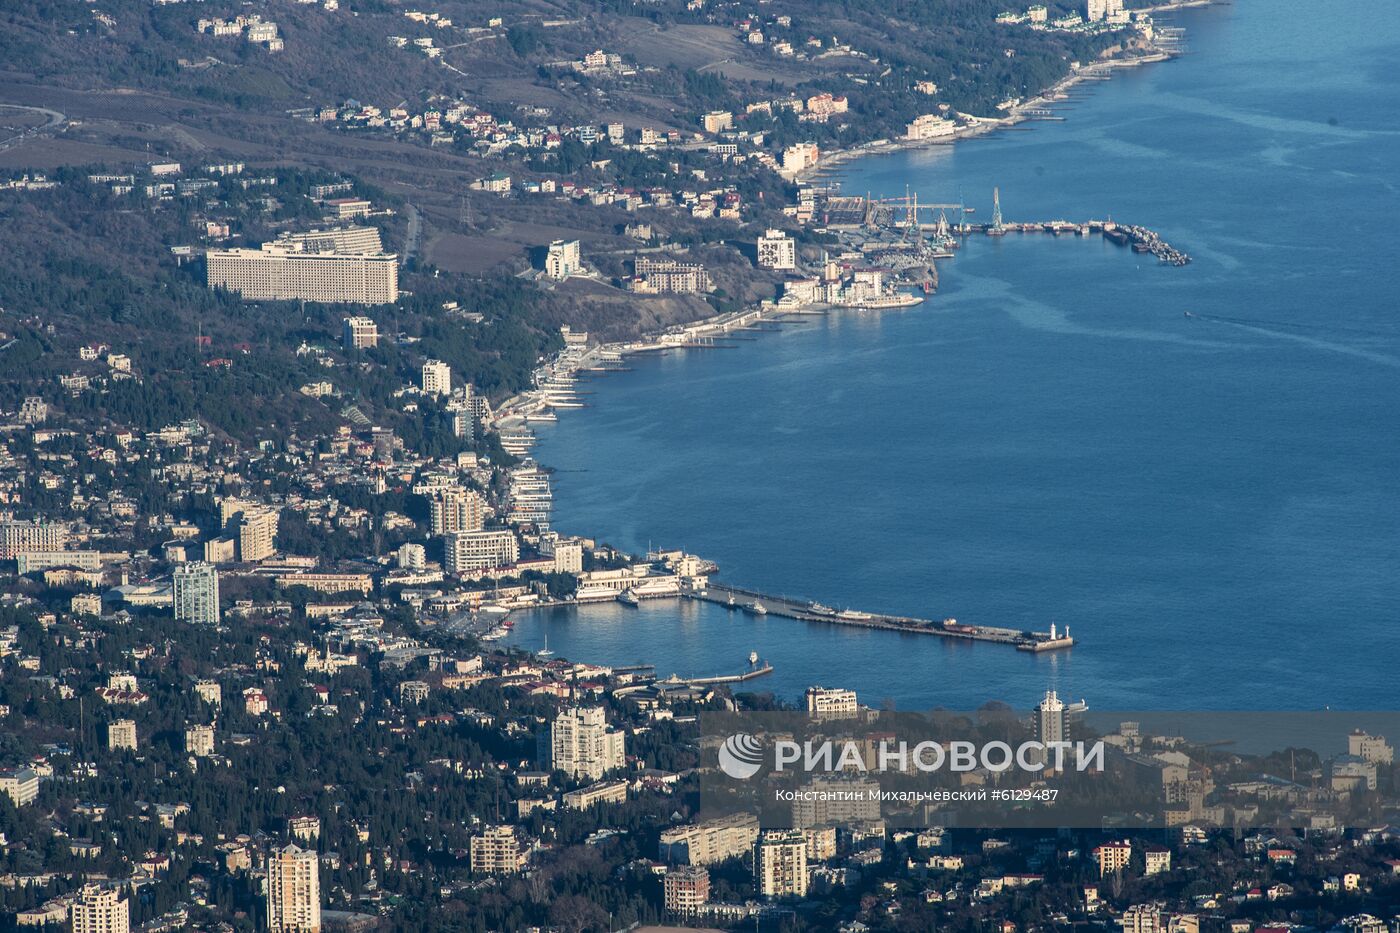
(285, 271)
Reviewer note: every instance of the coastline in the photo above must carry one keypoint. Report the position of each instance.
(680, 336)
(1020, 113)
(696, 334)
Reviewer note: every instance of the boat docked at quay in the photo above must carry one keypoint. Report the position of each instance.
(885, 302)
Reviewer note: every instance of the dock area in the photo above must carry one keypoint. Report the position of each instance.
(727, 678)
(1140, 239)
(871, 224)
(753, 602)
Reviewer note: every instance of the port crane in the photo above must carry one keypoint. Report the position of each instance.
(905, 212)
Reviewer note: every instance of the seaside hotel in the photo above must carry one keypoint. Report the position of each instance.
(343, 266)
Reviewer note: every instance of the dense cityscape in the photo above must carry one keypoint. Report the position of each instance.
(288, 289)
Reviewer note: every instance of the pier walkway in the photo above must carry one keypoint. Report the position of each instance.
(745, 600)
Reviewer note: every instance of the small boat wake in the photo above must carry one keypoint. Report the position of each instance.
(1272, 329)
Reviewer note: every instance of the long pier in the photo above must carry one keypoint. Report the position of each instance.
(746, 600)
(1141, 239)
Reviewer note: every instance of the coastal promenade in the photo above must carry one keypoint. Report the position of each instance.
(754, 602)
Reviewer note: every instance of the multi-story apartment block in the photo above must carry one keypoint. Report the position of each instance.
(294, 891)
(257, 533)
(345, 208)
(568, 557)
(717, 121)
(686, 889)
(780, 863)
(33, 410)
(18, 537)
(436, 378)
(468, 551)
(20, 785)
(455, 509)
(304, 828)
(582, 744)
(1373, 748)
(709, 842)
(411, 557)
(361, 333)
(354, 240)
(35, 561)
(196, 593)
(496, 850)
(199, 741)
(668, 275)
(1113, 856)
(1143, 918)
(595, 794)
(209, 691)
(121, 735)
(777, 250)
(99, 909)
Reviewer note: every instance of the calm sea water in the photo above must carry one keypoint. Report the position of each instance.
(1212, 503)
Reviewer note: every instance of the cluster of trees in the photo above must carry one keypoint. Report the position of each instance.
(86, 269)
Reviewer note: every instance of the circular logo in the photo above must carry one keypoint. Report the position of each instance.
(741, 756)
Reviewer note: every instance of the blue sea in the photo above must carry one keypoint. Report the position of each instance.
(1210, 503)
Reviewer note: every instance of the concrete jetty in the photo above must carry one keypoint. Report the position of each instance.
(754, 602)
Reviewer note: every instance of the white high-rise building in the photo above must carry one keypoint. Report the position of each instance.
(780, 863)
(468, 551)
(257, 529)
(437, 378)
(1054, 721)
(777, 250)
(568, 557)
(294, 891)
(279, 273)
(1050, 719)
(199, 741)
(496, 850)
(411, 557)
(355, 240)
(1097, 10)
(121, 735)
(197, 593)
(100, 910)
(456, 509)
(583, 745)
(563, 259)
